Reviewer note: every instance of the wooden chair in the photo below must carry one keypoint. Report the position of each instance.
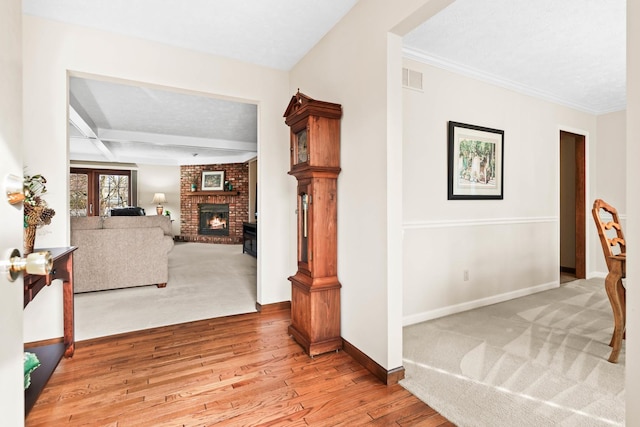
(614, 248)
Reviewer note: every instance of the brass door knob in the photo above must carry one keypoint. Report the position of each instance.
(38, 263)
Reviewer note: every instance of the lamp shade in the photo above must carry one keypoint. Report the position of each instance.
(159, 198)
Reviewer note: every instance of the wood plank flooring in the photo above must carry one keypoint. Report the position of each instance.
(235, 371)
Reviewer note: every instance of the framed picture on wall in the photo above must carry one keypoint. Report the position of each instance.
(212, 180)
(475, 162)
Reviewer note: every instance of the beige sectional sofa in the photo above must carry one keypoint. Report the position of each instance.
(120, 251)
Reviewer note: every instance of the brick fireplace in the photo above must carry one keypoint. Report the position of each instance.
(224, 211)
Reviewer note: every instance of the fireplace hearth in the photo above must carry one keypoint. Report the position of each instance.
(213, 219)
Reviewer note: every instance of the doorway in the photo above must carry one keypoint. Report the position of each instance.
(147, 134)
(572, 207)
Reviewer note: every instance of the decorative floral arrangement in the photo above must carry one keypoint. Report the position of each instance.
(36, 211)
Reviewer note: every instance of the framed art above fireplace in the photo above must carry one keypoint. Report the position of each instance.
(212, 180)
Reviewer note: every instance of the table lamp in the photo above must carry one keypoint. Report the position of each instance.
(159, 199)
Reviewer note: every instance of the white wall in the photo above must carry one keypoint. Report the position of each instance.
(610, 150)
(610, 179)
(53, 49)
(510, 247)
(327, 73)
(160, 179)
(358, 65)
(632, 230)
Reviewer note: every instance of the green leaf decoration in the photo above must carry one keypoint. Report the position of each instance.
(31, 362)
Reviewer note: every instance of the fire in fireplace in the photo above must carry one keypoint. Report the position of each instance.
(213, 219)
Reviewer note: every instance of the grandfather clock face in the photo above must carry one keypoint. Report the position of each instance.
(302, 146)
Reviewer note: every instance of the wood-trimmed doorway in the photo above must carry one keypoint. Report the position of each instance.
(572, 205)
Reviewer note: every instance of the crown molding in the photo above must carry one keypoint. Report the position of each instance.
(474, 73)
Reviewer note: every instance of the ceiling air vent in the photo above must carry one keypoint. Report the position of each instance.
(411, 79)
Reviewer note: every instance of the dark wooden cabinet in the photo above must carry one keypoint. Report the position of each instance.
(250, 238)
(315, 163)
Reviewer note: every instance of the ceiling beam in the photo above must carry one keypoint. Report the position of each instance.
(87, 131)
(175, 140)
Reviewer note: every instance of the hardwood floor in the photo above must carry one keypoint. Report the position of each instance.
(234, 371)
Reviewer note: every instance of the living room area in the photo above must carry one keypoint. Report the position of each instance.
(206, 275)
(159, 210)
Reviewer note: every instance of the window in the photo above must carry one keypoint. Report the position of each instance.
(94, 192)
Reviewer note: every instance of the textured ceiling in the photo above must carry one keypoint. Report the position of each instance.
(124, 123)
(570, 51)
(273, 33)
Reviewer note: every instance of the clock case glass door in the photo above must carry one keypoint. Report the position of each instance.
(302, 147)
(305, 228)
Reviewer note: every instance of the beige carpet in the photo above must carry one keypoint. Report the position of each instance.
(205, 281)
(539, 360)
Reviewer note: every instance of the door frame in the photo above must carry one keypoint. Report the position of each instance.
(580, 206)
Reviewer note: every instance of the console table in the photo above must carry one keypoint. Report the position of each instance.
(50, 355)
(250, 238)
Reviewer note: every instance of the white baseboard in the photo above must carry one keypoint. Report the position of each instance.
(469, 305)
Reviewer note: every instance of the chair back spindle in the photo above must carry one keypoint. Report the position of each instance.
(609, 230)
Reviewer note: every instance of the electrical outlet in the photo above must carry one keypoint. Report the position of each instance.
(466, 275)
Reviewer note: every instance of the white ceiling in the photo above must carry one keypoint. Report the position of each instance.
(272, 33)
(117, 122)
(570, 51)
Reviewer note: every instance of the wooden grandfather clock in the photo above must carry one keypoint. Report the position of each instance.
(315, 162)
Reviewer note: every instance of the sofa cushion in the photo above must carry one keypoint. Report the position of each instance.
(86, 222)
(162, 221)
